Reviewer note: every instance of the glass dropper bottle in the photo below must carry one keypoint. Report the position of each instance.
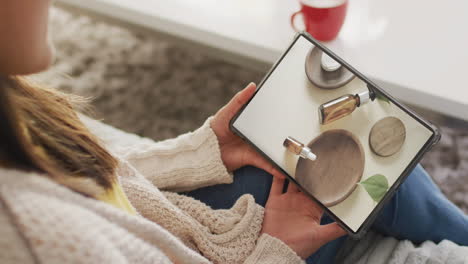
(343, 106)
(296, 147)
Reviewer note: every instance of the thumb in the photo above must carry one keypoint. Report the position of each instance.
(330, 232)
(241, 98)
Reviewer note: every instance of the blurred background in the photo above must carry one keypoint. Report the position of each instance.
(158, 88)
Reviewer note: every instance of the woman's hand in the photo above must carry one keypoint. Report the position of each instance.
(291, 217)
(295, 219)
(235, 153)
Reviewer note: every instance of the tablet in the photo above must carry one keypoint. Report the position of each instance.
(342, 139)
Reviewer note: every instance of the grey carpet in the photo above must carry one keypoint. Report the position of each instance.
(157, 89)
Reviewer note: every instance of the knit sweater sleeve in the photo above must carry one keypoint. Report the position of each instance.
(272, 250)
(187, 162)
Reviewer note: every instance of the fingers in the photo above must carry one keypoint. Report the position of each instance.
(258, 161)
(315, 209)
(330, 232)
(292, 187)
(246, 93)
(276, 186)
(241, 98)
(278, 174)
(220, 124)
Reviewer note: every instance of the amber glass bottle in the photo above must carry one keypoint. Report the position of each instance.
(296, 147)
(342, 106)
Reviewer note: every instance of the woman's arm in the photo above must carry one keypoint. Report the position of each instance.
(189, 161)
(204, 157)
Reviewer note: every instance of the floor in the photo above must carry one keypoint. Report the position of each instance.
(156, 89)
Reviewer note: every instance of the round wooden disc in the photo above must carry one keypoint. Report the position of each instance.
(338, 168)
(322, 78)
(387, 136)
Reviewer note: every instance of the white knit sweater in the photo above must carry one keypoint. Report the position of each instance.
(44, 222)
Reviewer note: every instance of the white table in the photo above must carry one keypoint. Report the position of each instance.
(417, 50)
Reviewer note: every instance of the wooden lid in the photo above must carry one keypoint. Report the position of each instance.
(321, 78)
(338, 168)
(387, 136)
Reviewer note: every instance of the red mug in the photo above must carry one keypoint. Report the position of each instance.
(322, 18)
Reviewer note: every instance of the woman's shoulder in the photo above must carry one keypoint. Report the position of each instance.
(13, 247)
(22, 215)
(38, 208)
(54, 224)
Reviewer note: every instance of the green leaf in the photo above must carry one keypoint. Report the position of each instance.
(376, 186)
(381, 97)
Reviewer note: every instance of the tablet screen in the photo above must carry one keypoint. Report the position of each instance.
(310, 107)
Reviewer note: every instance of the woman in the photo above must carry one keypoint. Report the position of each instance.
(75, 190)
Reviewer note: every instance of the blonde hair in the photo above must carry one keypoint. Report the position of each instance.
(41, 132)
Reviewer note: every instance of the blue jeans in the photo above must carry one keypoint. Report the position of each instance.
(418, 211)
